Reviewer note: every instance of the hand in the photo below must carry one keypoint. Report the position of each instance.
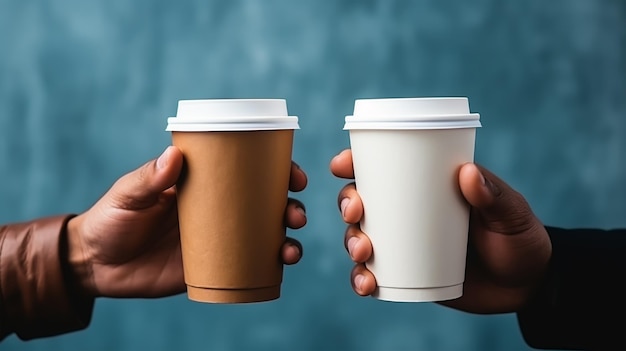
(508, 253)
(127, 244)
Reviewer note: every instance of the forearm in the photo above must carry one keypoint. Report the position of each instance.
(582, 303)
(38, 296)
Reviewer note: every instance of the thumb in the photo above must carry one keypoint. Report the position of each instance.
(500, 208)
(142, 187)
(507, 237)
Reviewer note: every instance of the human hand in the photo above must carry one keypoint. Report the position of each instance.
(509, 249)
(127, 244)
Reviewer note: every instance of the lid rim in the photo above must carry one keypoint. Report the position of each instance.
(408, 122)
(412, 125)
(226, 128)
(230, 119)
(414, 117)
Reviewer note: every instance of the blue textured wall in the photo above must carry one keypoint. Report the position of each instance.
(86, 86)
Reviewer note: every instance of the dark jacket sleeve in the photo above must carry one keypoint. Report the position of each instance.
(582, 303)
(37, 295)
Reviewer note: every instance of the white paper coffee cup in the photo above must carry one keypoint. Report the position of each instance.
(407, 153)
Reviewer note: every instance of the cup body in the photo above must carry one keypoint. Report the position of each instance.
(231, 198)
(406, 166)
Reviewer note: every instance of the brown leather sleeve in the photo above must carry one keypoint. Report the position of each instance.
(37, 295)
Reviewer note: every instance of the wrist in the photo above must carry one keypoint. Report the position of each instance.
(79, 263)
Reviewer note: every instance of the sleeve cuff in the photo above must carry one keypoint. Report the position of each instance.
(581, 304)
(38, 296)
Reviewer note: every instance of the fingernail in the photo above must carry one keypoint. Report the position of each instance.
(162, 160)
(296, 249)
(343, 205)
(358, 281)
(301, 210)
(352, 243)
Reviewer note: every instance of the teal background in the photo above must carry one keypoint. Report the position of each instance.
(86, 87)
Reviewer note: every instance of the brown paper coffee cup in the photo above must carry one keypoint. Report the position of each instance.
(232, 196)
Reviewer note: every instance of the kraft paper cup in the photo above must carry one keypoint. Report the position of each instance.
(232, 196)
(407, 154)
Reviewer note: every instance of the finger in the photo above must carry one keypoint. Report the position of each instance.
(295, 214)
(350, 204)
(509, 239)
(141, 188)
(291, 252)
(341, 165)
(500, 208)
(362, 280)
(298, 179)
(358, 244)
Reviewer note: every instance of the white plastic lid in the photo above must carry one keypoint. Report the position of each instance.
(231, 115)
(412, 113)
